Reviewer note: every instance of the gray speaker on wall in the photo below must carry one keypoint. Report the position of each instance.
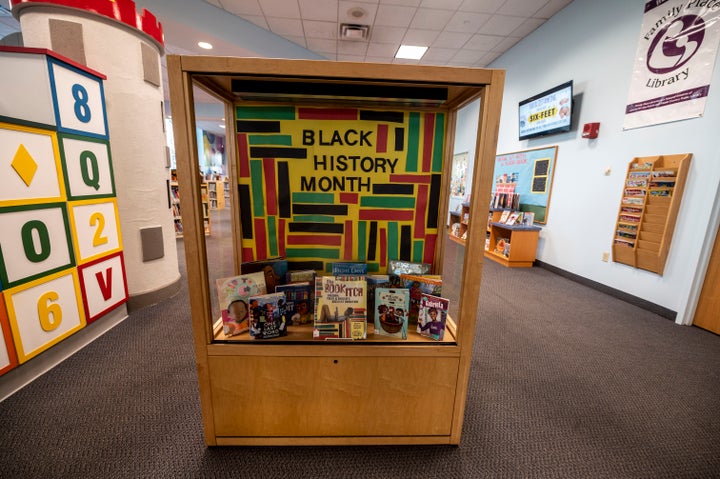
(151, 242)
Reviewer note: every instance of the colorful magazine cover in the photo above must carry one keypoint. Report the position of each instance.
(340, 308)
(268, 316)
(417, 285)
(340, 268)
(391, 307)
(433, 316)
(299, 304)
(233, 295)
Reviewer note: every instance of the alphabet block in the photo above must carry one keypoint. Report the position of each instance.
(87, 167)
(26, 91)
(34, 241)
(95, 229)
(44, 312)
(103, 285)
(29, 166)
(8, 358)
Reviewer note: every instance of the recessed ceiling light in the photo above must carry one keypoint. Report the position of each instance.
(205, 45)
(221, 125)
(410, 52)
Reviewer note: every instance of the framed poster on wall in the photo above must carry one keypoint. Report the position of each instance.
(528, 173)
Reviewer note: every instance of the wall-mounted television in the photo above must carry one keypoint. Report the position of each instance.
(547, 112)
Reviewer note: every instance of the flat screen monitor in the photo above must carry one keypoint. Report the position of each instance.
(547, 112)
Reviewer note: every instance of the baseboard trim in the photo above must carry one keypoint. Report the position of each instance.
(140, 301)
(616, 293)
(16, 379)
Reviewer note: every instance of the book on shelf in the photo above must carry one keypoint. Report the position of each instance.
(513, 218)
(275, 270)
(340, 308)
(391, 307)
(375, 281)
(234, 299)
(528, 218)
(268, 316)
(625, 242)
(504, 216)
(296, 276)
(635, 191)
(660, 192)
(636, 182)
(299, 301)
(664, 174)
(502, 246)
(340, 268)
(433, 316)
(646, 165)
(639, 174)
(407, 267)
(633, 200)
(418, 285)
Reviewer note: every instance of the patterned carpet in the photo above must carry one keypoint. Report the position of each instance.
(565, 382)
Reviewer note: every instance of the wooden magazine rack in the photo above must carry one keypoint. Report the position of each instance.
(296, 391)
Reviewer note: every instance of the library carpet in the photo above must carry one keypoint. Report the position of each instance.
(566, 382)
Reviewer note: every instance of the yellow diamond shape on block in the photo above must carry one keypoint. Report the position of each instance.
(24, 165)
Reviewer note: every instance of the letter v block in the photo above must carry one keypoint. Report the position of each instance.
(103, 285)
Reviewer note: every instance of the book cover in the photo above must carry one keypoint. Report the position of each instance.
(433, 316)
(349, 269)
(299, 303)
(340, 308)
(502, 246)
(418, 285)
(233, 295)
(275, 270)
(391, 306)
(298, 276)
(504, 216)
(406, 267)
(528, 218)
(512, 219)
(267, 316)
(374, 281)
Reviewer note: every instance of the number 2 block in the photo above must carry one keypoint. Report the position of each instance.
(96, 230)
(103, 285)
(44, 312)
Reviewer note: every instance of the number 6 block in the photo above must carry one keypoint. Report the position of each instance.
(44, 312)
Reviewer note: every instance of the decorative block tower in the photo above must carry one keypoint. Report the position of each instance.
(111, 37)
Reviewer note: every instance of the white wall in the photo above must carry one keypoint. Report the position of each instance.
(465, 140)
(594, 43)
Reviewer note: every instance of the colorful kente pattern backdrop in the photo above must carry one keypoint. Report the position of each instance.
(319, 185)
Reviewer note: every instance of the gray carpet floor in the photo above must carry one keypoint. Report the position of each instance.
(565, 382)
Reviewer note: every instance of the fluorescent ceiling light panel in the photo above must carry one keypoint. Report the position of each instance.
(205, 45)
(410, 52)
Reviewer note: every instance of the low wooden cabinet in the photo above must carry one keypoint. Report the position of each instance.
(522, 240)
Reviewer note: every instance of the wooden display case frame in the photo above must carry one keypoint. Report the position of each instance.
(369, 392)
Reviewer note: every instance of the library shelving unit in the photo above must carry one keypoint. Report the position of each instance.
(648, 210)
(462, 220)
(295, 390)
(205, 204)
(177, 210)
(521, 242)
(216, 194)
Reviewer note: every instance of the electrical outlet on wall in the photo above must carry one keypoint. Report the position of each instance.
(606, 256)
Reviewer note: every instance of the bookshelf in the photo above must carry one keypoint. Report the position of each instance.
(177, 209)
(365, 392)
(520, 241)
(651, 198)
(462, 220)
(216, 194)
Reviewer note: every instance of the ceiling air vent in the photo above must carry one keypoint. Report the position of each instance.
(351, 31)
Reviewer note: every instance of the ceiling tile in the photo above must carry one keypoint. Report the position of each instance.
(345, 6)
(521, 8)
(370, 59)
(326, 10)
(440, 63)
(407, 3)
(330, 56)
(383, 34)
(468, 56)
(285, 26)
(259, 21)
(315, 29)
(506, 44)
(451, 39)
(482, 42)
(348, 47)
(467, 22)
(527, 27)
(552, 7)
(481, 6)
(394, 16)
(445, 4)
(430, 19)
(453, 63)
(351, 58)
(405, 61)
(322, 45)
(280, 8)
(242, 7)
(439, 54)
(382, 49)
(297, 40)
(490, 57)
(211, 2)
(501, 25)
(420, 37)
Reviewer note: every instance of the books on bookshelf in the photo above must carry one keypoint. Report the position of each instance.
(340, 308)
(268, 316)
(528, 218)
(233, 298)
(502, 246)
(513, 218)
(504, 216)
(391, 306)
(407, 267)
(349, 269)
(433, 316)
(417, 285)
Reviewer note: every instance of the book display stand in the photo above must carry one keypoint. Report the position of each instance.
(336, 161)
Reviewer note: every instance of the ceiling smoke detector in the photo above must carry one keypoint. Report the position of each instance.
(351, 31)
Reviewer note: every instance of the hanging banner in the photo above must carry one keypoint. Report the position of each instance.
(674, 62)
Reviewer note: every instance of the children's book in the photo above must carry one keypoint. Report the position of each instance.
(349, 269)
(267, 316)
(340, 308)
(433, 316)
(417, 285)
(528, 218)
(300, 276)
(504, 216)
(513, 218)
(374, 281)
(299, 304)
(275, 270)
(406, 267)
(233, 294)
(391, 307)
